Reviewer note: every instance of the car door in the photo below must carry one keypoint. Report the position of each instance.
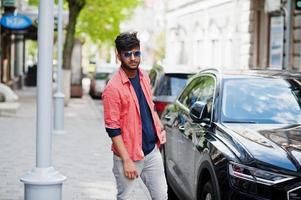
(174, 119)
(170, 120)
(201, 89)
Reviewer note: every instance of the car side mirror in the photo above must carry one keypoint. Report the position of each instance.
(198, 111)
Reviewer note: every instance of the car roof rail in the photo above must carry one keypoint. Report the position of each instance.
(211, 69)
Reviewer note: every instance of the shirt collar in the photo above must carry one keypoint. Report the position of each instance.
(124, 77)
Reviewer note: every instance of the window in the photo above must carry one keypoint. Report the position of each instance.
(261, 100)
(182, 53)
(276, 42)
(171, 84)
(199, 89)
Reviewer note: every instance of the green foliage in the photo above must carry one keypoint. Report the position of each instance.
(32, 48)
(33, 2)
(100, 19)
(36, 3)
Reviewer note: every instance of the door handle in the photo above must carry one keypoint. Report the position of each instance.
(181, 128)
(167, 117)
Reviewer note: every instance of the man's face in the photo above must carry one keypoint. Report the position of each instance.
(130, 59)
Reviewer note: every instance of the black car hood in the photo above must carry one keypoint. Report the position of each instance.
(277, 146)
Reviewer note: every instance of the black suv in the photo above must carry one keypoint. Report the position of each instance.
(235, 135)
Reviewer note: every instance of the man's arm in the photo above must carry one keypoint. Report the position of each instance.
(129, 167)
(112, 107)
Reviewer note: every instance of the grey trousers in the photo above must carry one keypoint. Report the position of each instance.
(151, 171)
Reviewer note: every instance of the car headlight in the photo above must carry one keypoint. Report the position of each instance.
(256, 175)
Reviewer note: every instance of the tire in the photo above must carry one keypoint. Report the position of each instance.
(208, 192)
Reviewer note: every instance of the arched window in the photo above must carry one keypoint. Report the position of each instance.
(198, 46)
(214, 45)
(181, 46)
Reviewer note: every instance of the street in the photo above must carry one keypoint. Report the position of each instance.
(225, 81)
(83, 154)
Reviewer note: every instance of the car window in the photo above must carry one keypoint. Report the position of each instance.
(261, 100)
(199, 89)
(154, 76)
(171, 85)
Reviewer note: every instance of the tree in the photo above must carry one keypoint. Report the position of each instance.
(75, 6)
(98, 19)
(101, 19)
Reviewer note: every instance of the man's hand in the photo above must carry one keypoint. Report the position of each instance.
(163, 133)
(129, 169)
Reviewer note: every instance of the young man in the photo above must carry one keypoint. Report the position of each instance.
(133, 125)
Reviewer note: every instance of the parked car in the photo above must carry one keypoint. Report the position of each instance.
(167, 87)
(154, 75)
(235, 135)
(99, 81)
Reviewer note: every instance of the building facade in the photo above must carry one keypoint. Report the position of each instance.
(17, 27)
(232, 34)
(276, 33)
(14, 40)
(148, 21)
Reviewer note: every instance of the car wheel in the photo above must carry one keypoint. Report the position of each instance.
(207, 192)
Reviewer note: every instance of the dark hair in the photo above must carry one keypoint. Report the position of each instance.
(126, 41)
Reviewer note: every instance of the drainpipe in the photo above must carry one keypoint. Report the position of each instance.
(287, 35)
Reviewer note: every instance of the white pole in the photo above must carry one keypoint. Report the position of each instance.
(43, 181)
(59, 96)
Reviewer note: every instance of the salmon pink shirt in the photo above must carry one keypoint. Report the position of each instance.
(122, 112)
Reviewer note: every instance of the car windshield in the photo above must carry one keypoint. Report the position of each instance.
(171, 84)
(261, 100)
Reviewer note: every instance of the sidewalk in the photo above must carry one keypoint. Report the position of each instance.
(83, 154)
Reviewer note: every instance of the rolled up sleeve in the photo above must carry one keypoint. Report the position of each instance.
(111, 110)
(113, 132)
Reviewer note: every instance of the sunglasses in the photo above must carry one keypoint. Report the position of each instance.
(128, 54)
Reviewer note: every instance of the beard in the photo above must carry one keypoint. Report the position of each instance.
(128, 67)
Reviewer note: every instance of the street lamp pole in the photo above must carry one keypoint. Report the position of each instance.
(59, 96)
(43, 181)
